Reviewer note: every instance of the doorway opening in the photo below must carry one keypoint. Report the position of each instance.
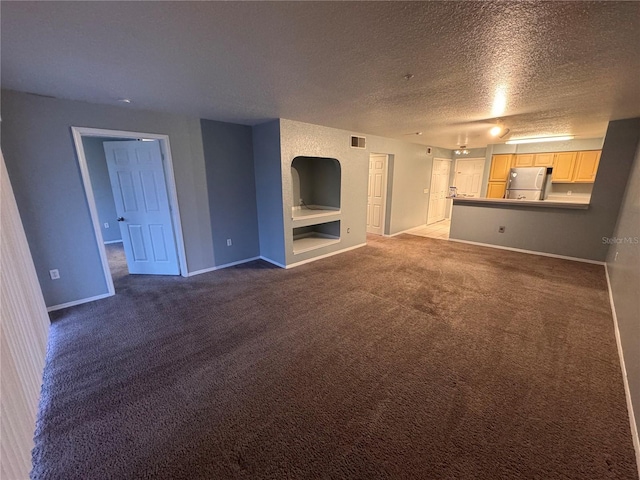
(377, 193)
(439, 190)
(139, 227)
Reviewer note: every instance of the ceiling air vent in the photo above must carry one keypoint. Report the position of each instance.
(358, 142)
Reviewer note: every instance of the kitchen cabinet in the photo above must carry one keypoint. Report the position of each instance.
(524, 160)
(563, 167)
(496, 189)
(500, 166)
(586, 166)
(543, 159)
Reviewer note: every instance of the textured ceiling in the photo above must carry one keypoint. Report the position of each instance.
(545, 67)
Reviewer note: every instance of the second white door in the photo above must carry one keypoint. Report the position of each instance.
(142, 204)
(376, 193)
(439, 190)
(468, 177)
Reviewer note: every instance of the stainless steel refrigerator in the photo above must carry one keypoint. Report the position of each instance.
(526, 183)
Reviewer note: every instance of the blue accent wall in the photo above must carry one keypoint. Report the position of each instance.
(228, 155)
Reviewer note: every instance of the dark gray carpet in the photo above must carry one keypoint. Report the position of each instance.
(408, 358)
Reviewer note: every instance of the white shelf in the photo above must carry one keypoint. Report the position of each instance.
(303, 217)
(311, 241)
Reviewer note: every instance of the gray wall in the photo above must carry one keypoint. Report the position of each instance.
(101, 186)
(624, 274)
(409, 175)
(42, 165)
(306, 140)
(228, 155)
(575, 233)
(268, 175)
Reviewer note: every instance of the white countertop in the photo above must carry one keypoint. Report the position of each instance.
(579, 204)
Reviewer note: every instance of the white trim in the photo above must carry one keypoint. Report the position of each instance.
(404, 231)
(529, 252)
(625, 380)
(200, 272)
(220, 267)
(384, 190)
(78, 133)
(309, 260)
(112, 241)
(272, 262)
(78, 302)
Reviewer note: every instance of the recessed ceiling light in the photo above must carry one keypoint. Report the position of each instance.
(125, 100)
(558, 138)
(495, 131)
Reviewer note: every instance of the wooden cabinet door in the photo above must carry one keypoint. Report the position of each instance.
(525, 160)
(586, 166)
(496, 189)
(500, 166)
(543, 160)
(563, 166)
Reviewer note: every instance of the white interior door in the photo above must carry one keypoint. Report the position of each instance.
(376, 194)
(142, 204)
(439, 190)
(468, 177)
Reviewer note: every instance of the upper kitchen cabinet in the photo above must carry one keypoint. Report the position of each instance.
(524, 160)
(563, 166)
(500, 166)
(586, 166)
(543, 160)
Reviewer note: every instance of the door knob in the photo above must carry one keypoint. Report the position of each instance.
(120, 219)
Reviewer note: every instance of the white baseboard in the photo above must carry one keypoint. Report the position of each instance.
(272, 262)
(112, 241)
(529, 252)
(220, 267)
(297, 264)
(403, 231)
(625, 380)
(78, 302)
(239, 262)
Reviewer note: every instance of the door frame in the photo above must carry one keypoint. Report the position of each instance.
(433, 163)
(455, 174)
(384, 190)
(176, 224)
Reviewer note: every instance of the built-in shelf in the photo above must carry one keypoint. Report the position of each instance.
(303, 216)
(311, 241)
(310, 237)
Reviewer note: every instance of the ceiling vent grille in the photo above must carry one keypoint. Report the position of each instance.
(358, 142)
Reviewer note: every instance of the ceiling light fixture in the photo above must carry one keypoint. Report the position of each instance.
(558, 138)
(125, 100)
(495, 131)
(462, 151)
(408, 76)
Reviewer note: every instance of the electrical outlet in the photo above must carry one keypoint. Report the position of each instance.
(228, 242)
(106, 224)
(569, 192)
(54, 274)
(501, 229)
(615, 259)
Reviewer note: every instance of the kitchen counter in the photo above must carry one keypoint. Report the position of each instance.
(577, 204)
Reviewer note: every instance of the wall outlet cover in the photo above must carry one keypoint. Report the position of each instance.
(228, 242)
(54, 274)
(106, 225)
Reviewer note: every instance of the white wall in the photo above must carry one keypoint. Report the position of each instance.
(24, 326)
